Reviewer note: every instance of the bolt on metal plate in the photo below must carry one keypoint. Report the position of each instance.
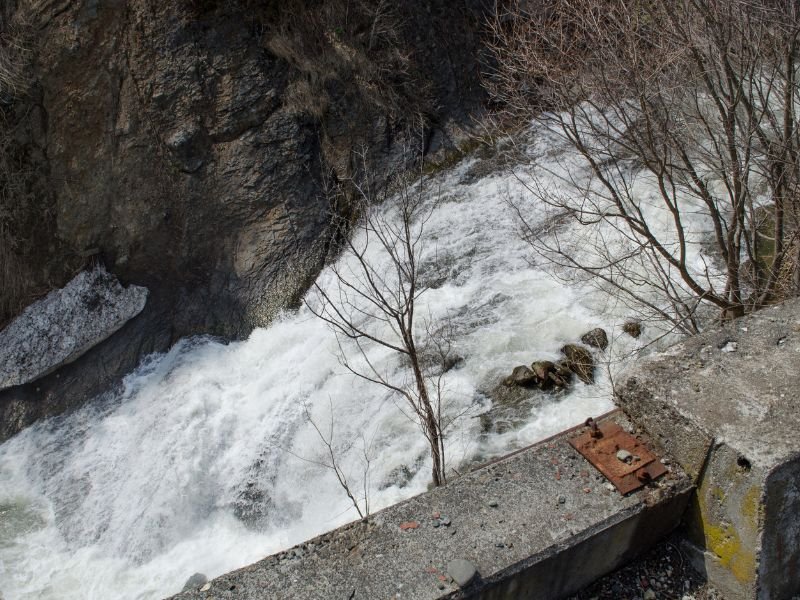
(600, 445)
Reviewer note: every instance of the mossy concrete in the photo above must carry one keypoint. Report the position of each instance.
(539, 524)
(726, 406)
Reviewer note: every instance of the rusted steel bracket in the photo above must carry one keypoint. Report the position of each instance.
(625, 461)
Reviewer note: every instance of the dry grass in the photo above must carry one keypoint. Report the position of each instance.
(339, 45)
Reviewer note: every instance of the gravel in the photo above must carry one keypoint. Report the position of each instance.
(664, 571)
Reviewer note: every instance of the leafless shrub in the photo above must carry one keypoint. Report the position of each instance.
(374, 302)
(699, 98)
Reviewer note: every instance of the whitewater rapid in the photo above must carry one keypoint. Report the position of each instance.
(196, 463)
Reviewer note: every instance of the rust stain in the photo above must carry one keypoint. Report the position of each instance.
(600, 445)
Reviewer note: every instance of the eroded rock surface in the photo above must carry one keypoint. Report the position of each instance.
(186, 145)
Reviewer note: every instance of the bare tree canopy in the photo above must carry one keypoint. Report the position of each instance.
(694, 98)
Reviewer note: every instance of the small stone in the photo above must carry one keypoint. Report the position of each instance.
(624, 456)
(609, 486)
(206, 587)
(649, 595)
(445, 521)
(632, 328)
(409, 525)
(436, 523)
(195, 581)
(462, 571)
(500, 545)
(494, 503)
(562, 499)
(730, 347)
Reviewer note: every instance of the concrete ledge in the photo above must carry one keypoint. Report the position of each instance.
(726, 406)
(538, 524)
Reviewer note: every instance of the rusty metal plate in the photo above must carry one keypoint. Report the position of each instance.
(600, 445)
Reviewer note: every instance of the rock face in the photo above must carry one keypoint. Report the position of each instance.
(184, 146)
(63, 325)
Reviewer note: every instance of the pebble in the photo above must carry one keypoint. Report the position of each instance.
(562, 499)
(445, 521)
(462, 571)
(649, 595)
(624, 455)
(494, 503)
(609, 486)
(206, 587)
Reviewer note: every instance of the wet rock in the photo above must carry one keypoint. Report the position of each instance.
(63, 325)
(580, 361)
(543, 368)
(195, 581)
(522, 376)
(596, 338)
(462, 571)
(550, 374)
(632, 328)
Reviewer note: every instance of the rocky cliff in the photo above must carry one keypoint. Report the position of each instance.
(183, 144)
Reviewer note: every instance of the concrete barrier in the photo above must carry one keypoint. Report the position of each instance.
(726, 406)
(539, 524)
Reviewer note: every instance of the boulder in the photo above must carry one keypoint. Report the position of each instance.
(579, 360)
(632, 328)
(550, 374)
(522, 376)
(60, 327)
(596, 338)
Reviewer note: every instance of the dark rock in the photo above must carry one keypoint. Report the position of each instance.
(542, 369)
(632, 328)
(550, 374)
(580, 361)
(522, 376)
(195, 581)
(462, 571)
(596, 338)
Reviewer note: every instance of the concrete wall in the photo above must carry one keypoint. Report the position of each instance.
(725, 405)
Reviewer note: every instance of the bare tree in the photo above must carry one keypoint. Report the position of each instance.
(697, 99)
(332, 460)
(373, 301)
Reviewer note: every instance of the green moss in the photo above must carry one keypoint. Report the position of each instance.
(452, 157)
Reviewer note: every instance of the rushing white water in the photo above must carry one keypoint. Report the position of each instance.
(194, 465)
